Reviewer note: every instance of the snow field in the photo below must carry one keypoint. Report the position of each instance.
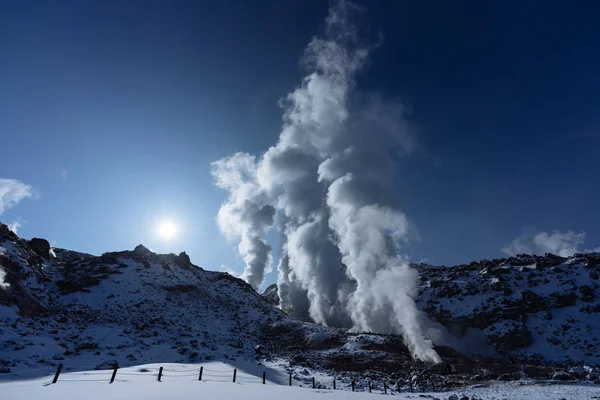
(180, 382)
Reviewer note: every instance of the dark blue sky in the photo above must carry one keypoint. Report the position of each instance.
(113, 111)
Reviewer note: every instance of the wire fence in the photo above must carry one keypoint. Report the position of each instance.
(112, 373)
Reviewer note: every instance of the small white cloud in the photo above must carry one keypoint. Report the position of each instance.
(563, 244)
(64, 173)
(13, 191)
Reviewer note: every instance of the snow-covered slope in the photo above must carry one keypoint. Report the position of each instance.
(530, 307)
(137, 307)
(140, 383)
(123, 306)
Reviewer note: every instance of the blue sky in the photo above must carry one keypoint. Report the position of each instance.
(113, 111)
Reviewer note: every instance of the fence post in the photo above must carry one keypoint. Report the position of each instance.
(313, 382)
(353, 385)
(333, 383)
(384, 387)
(234, 374)
(57, 373)
(290, 379)
(369, 386)
(411, 386)
(264, 377)
(114, 374)
(433, 384)
(160, 373)
(200, 376)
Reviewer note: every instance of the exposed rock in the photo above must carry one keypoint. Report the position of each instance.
(562, 376)
(41, 247)
(260, 350)
(183, 260)
(141, 250)
(271, 294)
(587, 293)
(578, 372)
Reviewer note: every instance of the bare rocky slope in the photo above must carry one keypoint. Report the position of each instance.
(538, 316)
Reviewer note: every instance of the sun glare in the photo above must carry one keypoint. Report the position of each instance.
(166, 230)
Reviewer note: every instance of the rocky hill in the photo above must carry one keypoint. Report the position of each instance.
(535, 309)
(125, 306)
(135, 307)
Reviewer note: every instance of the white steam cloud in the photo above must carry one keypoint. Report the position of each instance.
(245, 215)
(14, 226)
(330, 178)
(564, 244)
(13, 191)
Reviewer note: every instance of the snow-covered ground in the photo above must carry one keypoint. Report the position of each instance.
(180, 381)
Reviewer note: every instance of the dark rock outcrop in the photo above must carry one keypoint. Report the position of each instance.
(271, 294)
(41, 247)
(183, 260)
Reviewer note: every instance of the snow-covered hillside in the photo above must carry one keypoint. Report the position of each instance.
(526, 308)
(137, 307)
(125, 306)
(541, 308)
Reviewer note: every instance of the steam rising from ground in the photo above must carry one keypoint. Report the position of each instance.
(564, 244)
(330, 178)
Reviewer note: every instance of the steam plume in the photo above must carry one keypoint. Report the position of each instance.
(330, 177)
(564, 244)
(245, 215)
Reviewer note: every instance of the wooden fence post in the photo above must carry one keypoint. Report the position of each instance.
(433, 384)
(313, 382)
(333, 383)
(114, 374)
(200, 376)
(234, 374)
(411, 385)
(353, 385)
(290, 379)
(160, 373)
(57, 373)
(369, 386)
(398, 386)
(264, 377)
(384, 387)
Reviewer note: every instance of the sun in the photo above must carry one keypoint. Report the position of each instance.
(166, 229)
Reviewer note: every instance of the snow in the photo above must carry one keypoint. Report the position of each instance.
(3, 285)
(558, 300)
(127, 307)
(180, 381)
(139, 308)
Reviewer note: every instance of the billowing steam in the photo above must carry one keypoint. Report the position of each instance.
(245, 215)
(330, 178)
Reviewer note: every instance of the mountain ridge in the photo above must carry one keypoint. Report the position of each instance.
(136, 306)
